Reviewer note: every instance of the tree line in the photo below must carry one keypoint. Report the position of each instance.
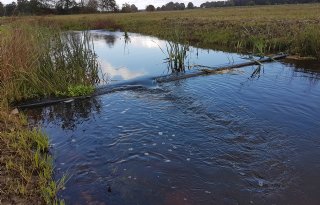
(43, 7)
(40, 7)
(253, 2)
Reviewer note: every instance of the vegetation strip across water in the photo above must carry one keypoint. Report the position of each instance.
(161, 79)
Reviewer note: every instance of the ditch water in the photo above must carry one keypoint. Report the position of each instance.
(230, 138)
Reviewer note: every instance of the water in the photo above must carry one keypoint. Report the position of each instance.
(220, 139)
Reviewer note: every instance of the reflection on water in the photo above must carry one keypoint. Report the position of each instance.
(68, 115)
(231, 138)
(133, 55)
(109, 39)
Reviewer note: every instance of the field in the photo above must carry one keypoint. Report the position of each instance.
(294, 29)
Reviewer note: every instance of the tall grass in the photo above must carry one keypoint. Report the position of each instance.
(40, 62)
(176, 52)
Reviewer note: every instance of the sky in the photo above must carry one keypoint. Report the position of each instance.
(141, 4)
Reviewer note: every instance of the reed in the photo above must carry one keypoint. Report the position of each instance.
(176, 52)
(40, 62)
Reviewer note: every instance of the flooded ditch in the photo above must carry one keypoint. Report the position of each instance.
(231, 138)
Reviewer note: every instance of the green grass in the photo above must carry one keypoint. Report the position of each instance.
(176, 50)
(27, 166)
(279, 28)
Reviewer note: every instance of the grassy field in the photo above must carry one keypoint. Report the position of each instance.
(294, 29)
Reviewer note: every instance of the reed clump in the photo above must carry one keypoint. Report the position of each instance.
(38, 62)
(176, 52)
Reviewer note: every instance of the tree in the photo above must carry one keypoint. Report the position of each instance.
(127, 8)
(23, 6)
(10, 9)
(150, 8)
(1, 9)
(190, 5)
(92, 5)
(173, 6)
(108, 5)
(134, 8)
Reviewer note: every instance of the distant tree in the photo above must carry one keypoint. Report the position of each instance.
(65, 6)
(92, 6)
(10, 9)
(23, 6)
(1, 9)
(181, 6)
(150, 8)
(190, 5)
(134, 8)
(127, 8)
(158, 8)
(173, 6)
(108, 5)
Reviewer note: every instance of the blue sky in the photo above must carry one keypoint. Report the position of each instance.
(142, 4)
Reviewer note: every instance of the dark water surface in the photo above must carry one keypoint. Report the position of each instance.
(227, 139)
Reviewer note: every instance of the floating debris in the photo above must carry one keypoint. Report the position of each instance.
(160, 133)
(130, 149)
(68, 101)
(123, 112)
(15, 111)
(167, 160)
(260, 182)
(146, 153)
(188, 159)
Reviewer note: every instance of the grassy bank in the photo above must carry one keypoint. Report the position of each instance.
(282, 28)
(26, 167)
(36, 62)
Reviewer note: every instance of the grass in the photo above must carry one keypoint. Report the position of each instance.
(26, 166)
(36, 62)
(39, 62)
(279, 28)
(177, 51)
